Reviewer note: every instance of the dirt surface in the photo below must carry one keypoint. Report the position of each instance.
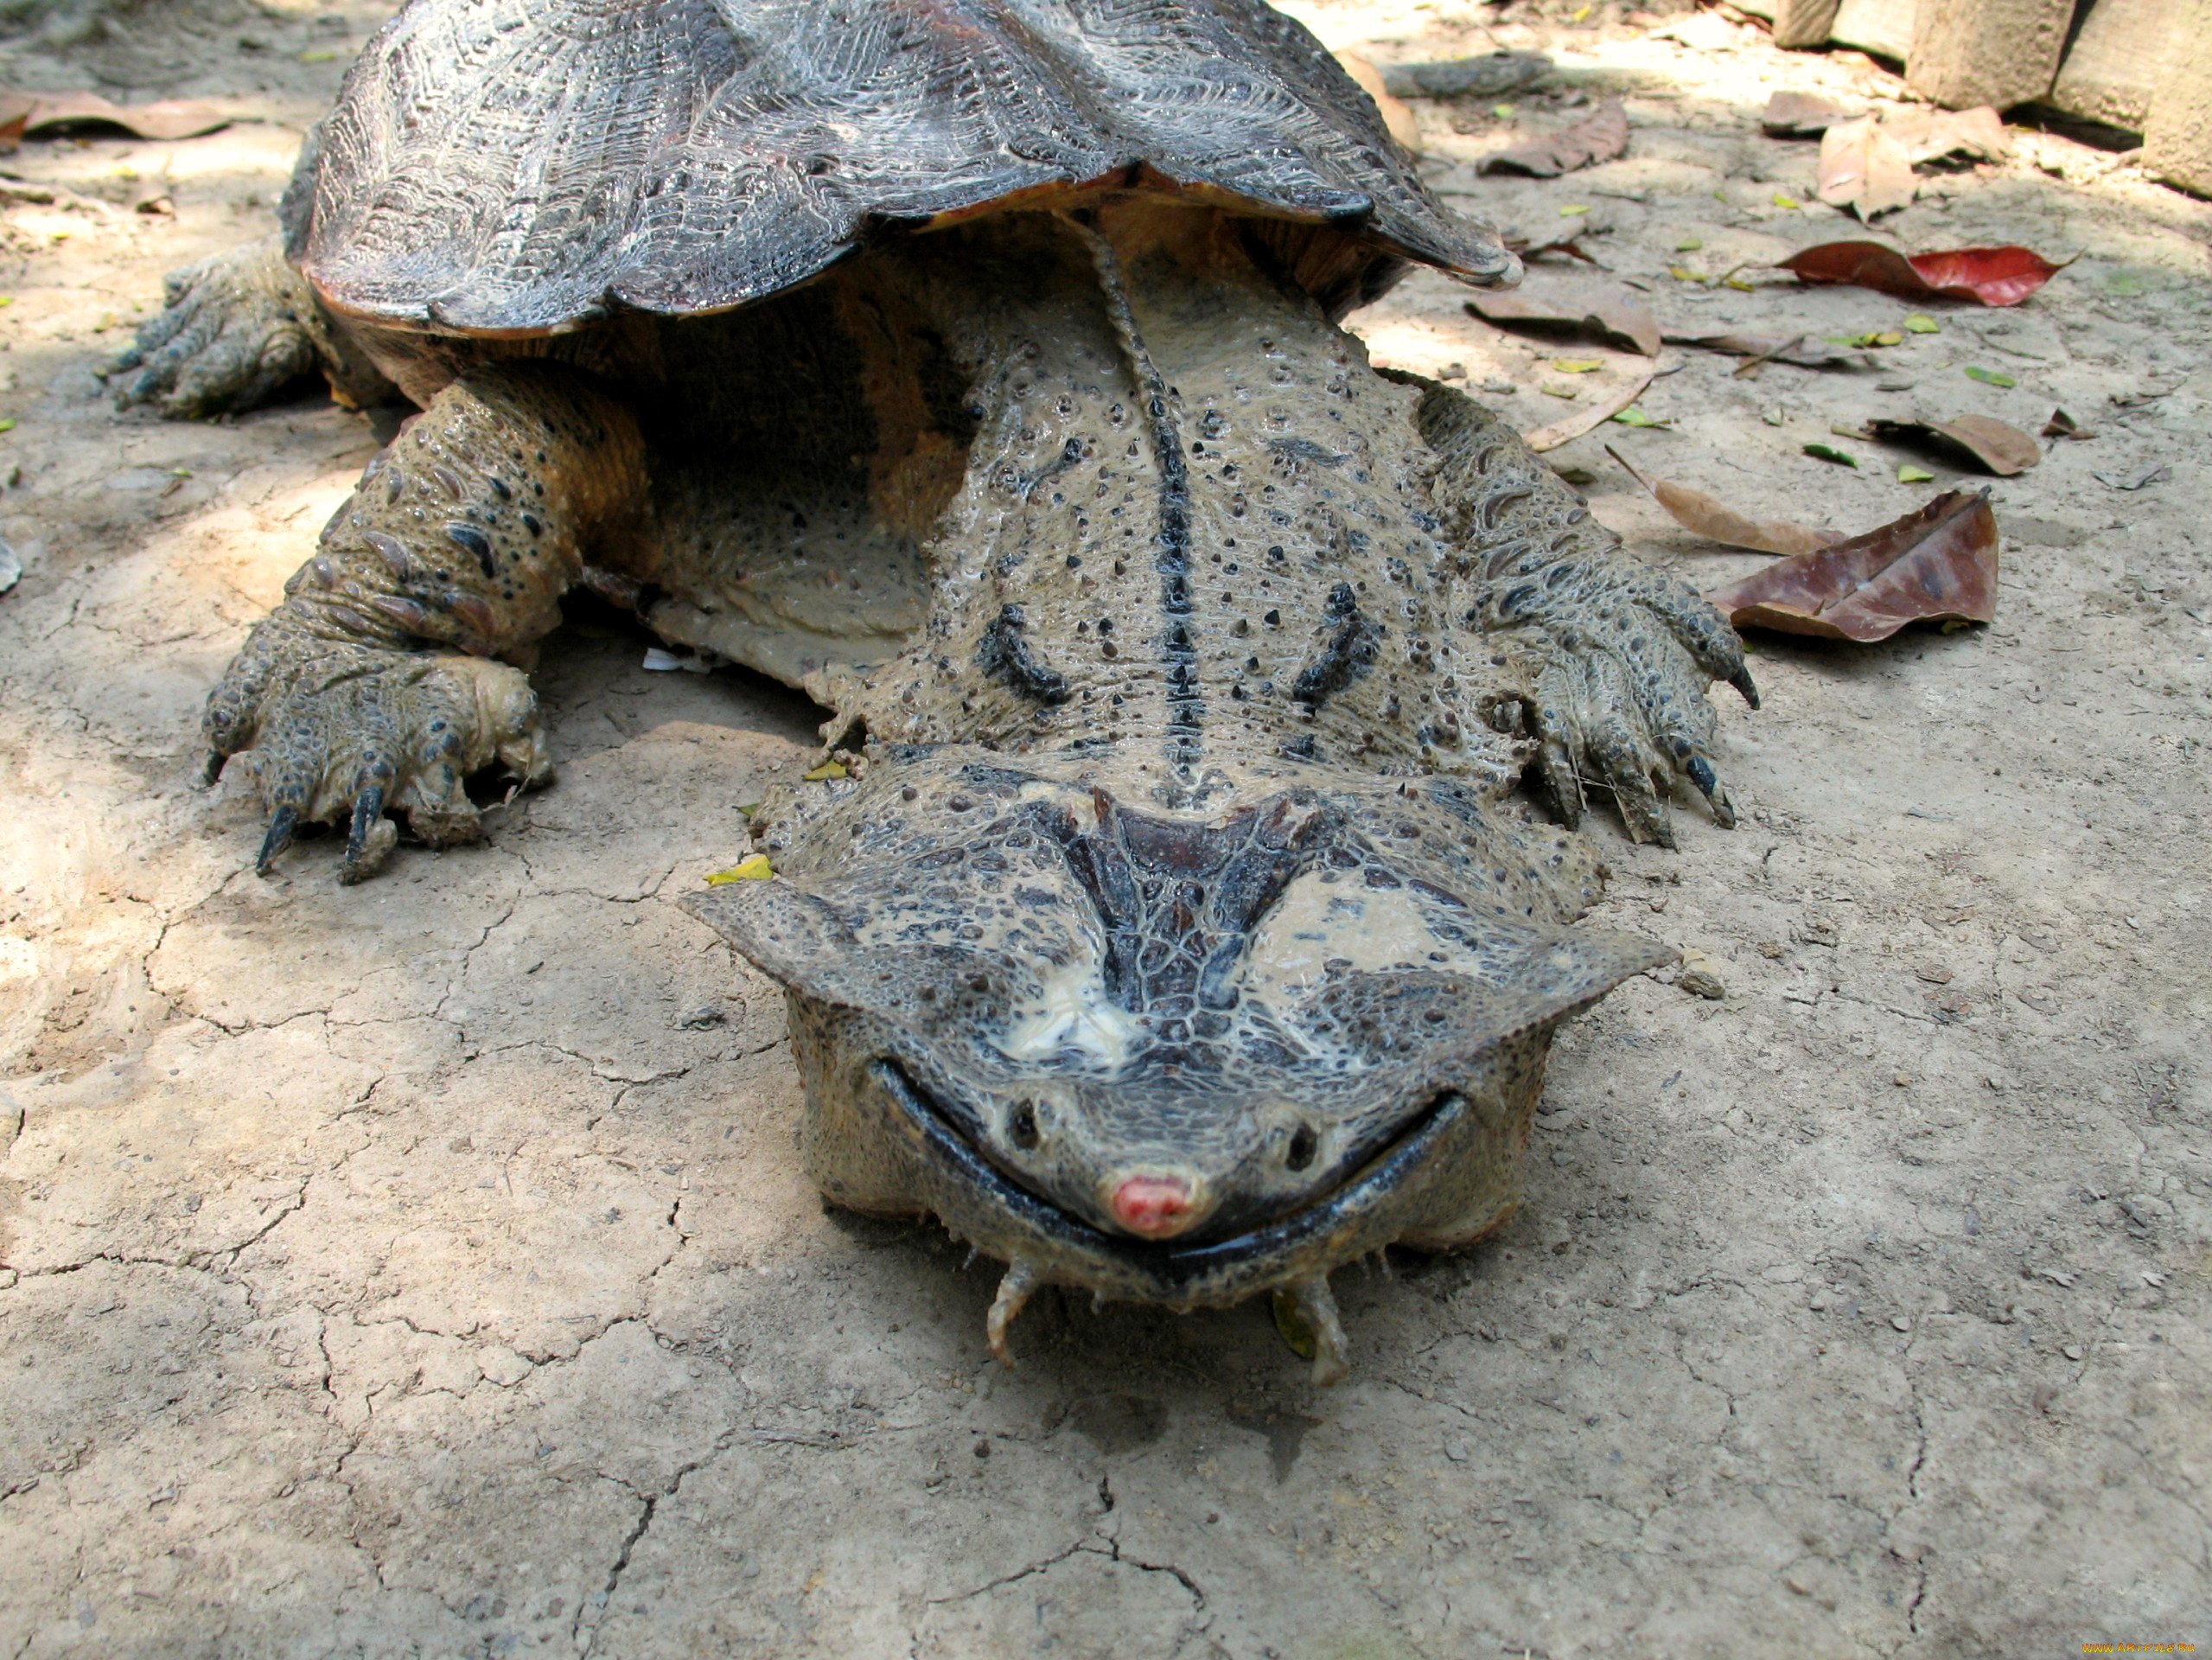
(426, 1268)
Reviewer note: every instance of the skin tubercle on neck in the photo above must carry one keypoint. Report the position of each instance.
(1170, 391)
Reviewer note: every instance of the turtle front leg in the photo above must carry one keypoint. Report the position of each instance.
(373, 688)
(234, 330)
(1616, 657)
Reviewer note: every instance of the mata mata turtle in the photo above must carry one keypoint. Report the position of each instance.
(976, 365)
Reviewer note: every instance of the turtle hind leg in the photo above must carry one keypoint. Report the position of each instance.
(373, 687)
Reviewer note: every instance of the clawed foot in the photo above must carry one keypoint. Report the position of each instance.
(345, 733)
(1623, 660)
(235, 329)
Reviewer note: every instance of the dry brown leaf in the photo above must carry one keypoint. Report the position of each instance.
(1795, 349)
(1610, 314)
(1696, 511)
(15, 110)
(2000, 447)
(1923, 135)
(1936, 564)
(45, 112)
(1864, 169)
(1400, 121)
(1611, 403)
(1599, 137)
(1566, 242)
(1799, 115)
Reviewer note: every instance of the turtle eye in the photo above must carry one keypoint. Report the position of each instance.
(1303, 1145)
(1022, 1128)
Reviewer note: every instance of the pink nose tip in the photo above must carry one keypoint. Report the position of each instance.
(1157, 1207)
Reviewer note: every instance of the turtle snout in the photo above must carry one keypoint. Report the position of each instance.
(1157, 1204)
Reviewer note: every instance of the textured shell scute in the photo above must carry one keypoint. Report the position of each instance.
(525, 166)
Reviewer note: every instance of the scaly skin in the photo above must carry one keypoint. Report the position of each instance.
(1174, 942)
(374, 687)
(234, 330)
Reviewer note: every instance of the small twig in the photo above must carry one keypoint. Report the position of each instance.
(1751, 366)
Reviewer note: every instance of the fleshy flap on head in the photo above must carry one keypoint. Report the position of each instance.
(1024, 928)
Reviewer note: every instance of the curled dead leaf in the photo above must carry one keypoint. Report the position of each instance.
(1567, 243)
(1610, 314)
(1923, 135)
(1999, 447)
(1793, 350)
(15, 112)
(36, 114)
(2002, 276)
(1599, 137)
(1716, 521)
(1864, 169)
(1799, 115)
(1938, 563)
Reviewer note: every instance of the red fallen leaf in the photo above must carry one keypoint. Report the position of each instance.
(1936, 564)
(1599, 137)
(1992, 276)
(45, 112)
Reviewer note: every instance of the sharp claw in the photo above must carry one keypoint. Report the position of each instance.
(1741, 680)
(368, 810)
(1708, 782)
(281, 823)
(1022, 1277)
(1558, 766)
(1317, 1307)
(372, 838)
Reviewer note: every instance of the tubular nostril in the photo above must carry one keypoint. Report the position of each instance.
(1156, 1206)
(1022, 1128)
(1303, 1145)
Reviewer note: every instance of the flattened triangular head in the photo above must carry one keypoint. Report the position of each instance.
(1168, 1025)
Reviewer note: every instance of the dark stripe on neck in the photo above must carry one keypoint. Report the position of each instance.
(1178, 652)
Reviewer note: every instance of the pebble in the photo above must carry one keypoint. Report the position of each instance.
(1698, 983)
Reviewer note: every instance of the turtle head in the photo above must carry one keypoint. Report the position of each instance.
(1108, 1041)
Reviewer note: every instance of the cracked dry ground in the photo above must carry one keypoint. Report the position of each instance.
(426, 1268)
